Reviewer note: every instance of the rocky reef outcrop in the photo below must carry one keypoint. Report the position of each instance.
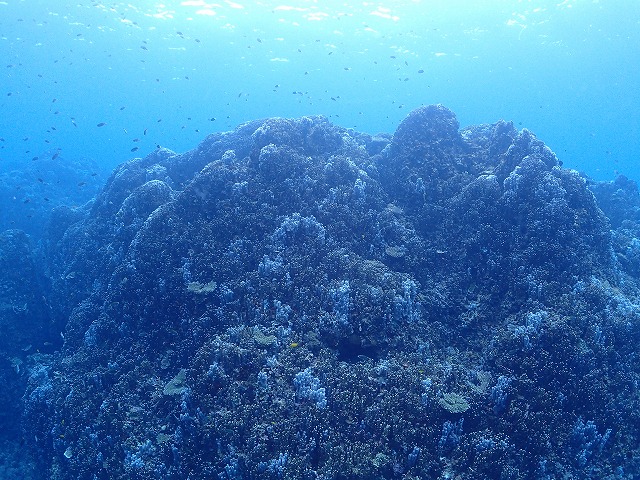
(297, 300)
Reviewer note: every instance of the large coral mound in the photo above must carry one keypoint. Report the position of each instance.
(297, 300)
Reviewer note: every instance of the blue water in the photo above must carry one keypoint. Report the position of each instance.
(169, 73)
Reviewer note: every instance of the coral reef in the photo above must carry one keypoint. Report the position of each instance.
(297, 300)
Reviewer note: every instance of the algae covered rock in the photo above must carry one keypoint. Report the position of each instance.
(297, 300)
(25, 322)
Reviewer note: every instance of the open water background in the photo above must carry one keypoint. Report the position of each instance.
(168, 73)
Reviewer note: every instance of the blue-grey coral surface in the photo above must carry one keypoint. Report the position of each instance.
(295, 300)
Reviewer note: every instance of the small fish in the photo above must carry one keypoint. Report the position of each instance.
(420, 71)
(135, 149)
(145, 131)
(55, 155)
(144, 48)
(82, 184)
(122, 108)
(135, 140)
(34, 159)
(101, 124)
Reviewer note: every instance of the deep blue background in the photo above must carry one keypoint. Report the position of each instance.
(568, 71)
